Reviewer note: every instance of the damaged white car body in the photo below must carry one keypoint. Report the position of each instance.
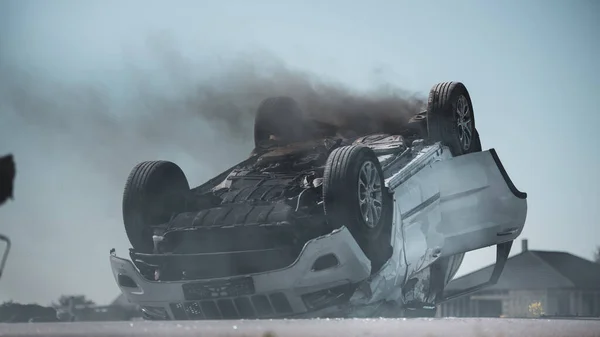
(373, 226)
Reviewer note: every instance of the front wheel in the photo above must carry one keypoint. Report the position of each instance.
(355, 196)
(153, 192)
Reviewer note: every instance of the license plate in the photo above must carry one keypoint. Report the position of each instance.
(218, 289)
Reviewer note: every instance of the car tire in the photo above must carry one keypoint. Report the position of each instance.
(280, 116)
(450, 118)
(154, 191)
(345, 169)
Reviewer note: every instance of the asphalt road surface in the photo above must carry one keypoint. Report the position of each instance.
(446, 327)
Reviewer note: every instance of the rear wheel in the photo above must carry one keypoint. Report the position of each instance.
(355, 195)
(154, 191)
(450, 118)
(279, 118)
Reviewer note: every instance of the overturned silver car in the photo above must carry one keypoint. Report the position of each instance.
(319, 223)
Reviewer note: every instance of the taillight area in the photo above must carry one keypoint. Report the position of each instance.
(328, 297)
(155, 313)
(126, 281)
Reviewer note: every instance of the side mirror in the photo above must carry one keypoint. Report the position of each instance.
(5, 254)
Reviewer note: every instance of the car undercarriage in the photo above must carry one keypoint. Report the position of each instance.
(319, 223)
(259, 218)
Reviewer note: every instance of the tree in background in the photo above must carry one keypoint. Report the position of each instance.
(597, 255)
(12, 312)
(68, 306)
(65, 301)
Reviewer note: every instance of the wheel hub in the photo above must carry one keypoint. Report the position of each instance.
(464, 122)
(370, 194)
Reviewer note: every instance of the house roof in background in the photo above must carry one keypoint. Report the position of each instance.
(534, 269)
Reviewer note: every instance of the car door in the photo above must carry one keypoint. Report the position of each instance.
(477, 204)
(449, 206)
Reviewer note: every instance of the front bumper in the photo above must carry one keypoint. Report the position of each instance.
(322, 278)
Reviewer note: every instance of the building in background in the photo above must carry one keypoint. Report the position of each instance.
(560, 283)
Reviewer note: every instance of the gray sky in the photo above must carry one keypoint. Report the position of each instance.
(89, 88)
